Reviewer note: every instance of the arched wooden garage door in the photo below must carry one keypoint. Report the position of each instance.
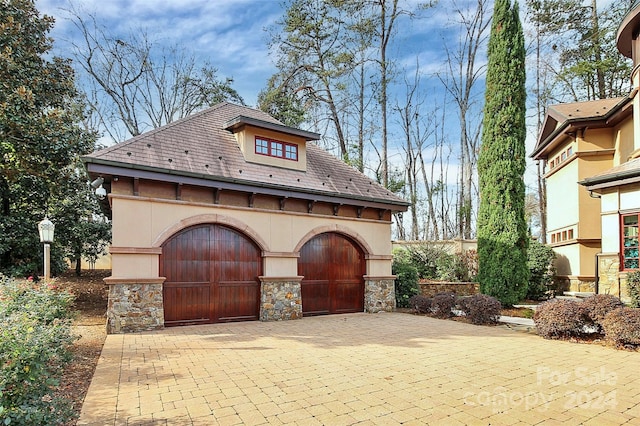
(211, 276)
(333, 267)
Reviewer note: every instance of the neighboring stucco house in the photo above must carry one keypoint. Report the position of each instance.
(228, 215)
(592, 150)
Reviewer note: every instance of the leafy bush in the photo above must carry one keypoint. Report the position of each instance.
(622, 326)
(35, 343)
(406, 284)
(451, 267)
(425, 258)
(560, 318)
(442, 304)
(435, 263)
(540, 262)
(598, 306)
(470, 260)
(481, 309)
(420, 304)
(633, 284)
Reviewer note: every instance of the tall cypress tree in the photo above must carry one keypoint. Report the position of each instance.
(502, 229)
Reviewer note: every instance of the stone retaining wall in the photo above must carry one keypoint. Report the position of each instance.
(431, 288)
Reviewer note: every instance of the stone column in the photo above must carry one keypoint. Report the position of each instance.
(608, 268)
(134, 305)
(280, 298)
(379, 294)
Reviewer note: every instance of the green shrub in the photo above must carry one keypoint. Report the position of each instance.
(540, 262)
(406, 284)
(35, 345)
(622, 326)
(435, 263)
(560, 318)
(480, 308)
(598, 306)
(633, 284)
(442, 304)
(425, 258)
(420, 304)
(451, 267)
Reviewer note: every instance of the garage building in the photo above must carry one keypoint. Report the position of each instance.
(228, 215)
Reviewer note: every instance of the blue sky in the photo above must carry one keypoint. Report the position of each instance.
(231, 35)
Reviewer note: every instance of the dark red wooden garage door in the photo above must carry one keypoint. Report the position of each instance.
(211, 276)
(333, 268)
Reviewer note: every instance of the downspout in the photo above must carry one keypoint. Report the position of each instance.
(597, 273)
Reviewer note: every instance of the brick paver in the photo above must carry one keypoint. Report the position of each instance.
(366, 369)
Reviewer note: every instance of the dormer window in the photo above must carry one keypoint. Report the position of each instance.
(275, 148)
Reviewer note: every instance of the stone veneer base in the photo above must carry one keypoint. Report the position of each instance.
(134, 305)
(280, 298)
(379, 294)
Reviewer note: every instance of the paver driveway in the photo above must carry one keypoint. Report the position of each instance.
(359, 369)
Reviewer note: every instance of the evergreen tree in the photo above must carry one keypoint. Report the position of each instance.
(502, 229)
(40, 136)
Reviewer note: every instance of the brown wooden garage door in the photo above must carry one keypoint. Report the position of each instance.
(211, 276)
(333, 268)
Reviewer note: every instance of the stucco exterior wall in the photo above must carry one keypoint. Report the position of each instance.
(562, 198)
(623, 142)
(141, 225)
(246, 142)
(567, 259)
(595, 139)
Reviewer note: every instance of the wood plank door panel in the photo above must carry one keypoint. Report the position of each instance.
(211, 276)
(333, 267)
(237, 268)
(315, 297)
(348, 296)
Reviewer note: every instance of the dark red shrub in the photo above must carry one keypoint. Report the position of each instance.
(420, 304)
(559, 318)
(481, 308)
(598, 306)
(622, 326)
(442, 304)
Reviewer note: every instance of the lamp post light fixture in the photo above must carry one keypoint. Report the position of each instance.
(46, 229)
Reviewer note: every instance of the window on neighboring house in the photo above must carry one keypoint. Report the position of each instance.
(564, 235)
(273, 148)
(563, 156)
(553, 238)
(570, 234)
(629, 240)
(569, 151)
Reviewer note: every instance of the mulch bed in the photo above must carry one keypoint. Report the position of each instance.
(89, 325)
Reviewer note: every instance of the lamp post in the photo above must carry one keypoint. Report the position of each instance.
(46, 228)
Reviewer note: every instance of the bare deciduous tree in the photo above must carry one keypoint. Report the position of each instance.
(460, 81)
(131, 82)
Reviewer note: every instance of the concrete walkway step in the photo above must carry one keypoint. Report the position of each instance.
(517, 320)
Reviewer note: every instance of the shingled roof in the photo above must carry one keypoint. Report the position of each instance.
(200, 148)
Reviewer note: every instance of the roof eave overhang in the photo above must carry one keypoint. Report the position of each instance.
(97, 166)
(611, 118)
(609, 181)
(627, 30)
(241, 120)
